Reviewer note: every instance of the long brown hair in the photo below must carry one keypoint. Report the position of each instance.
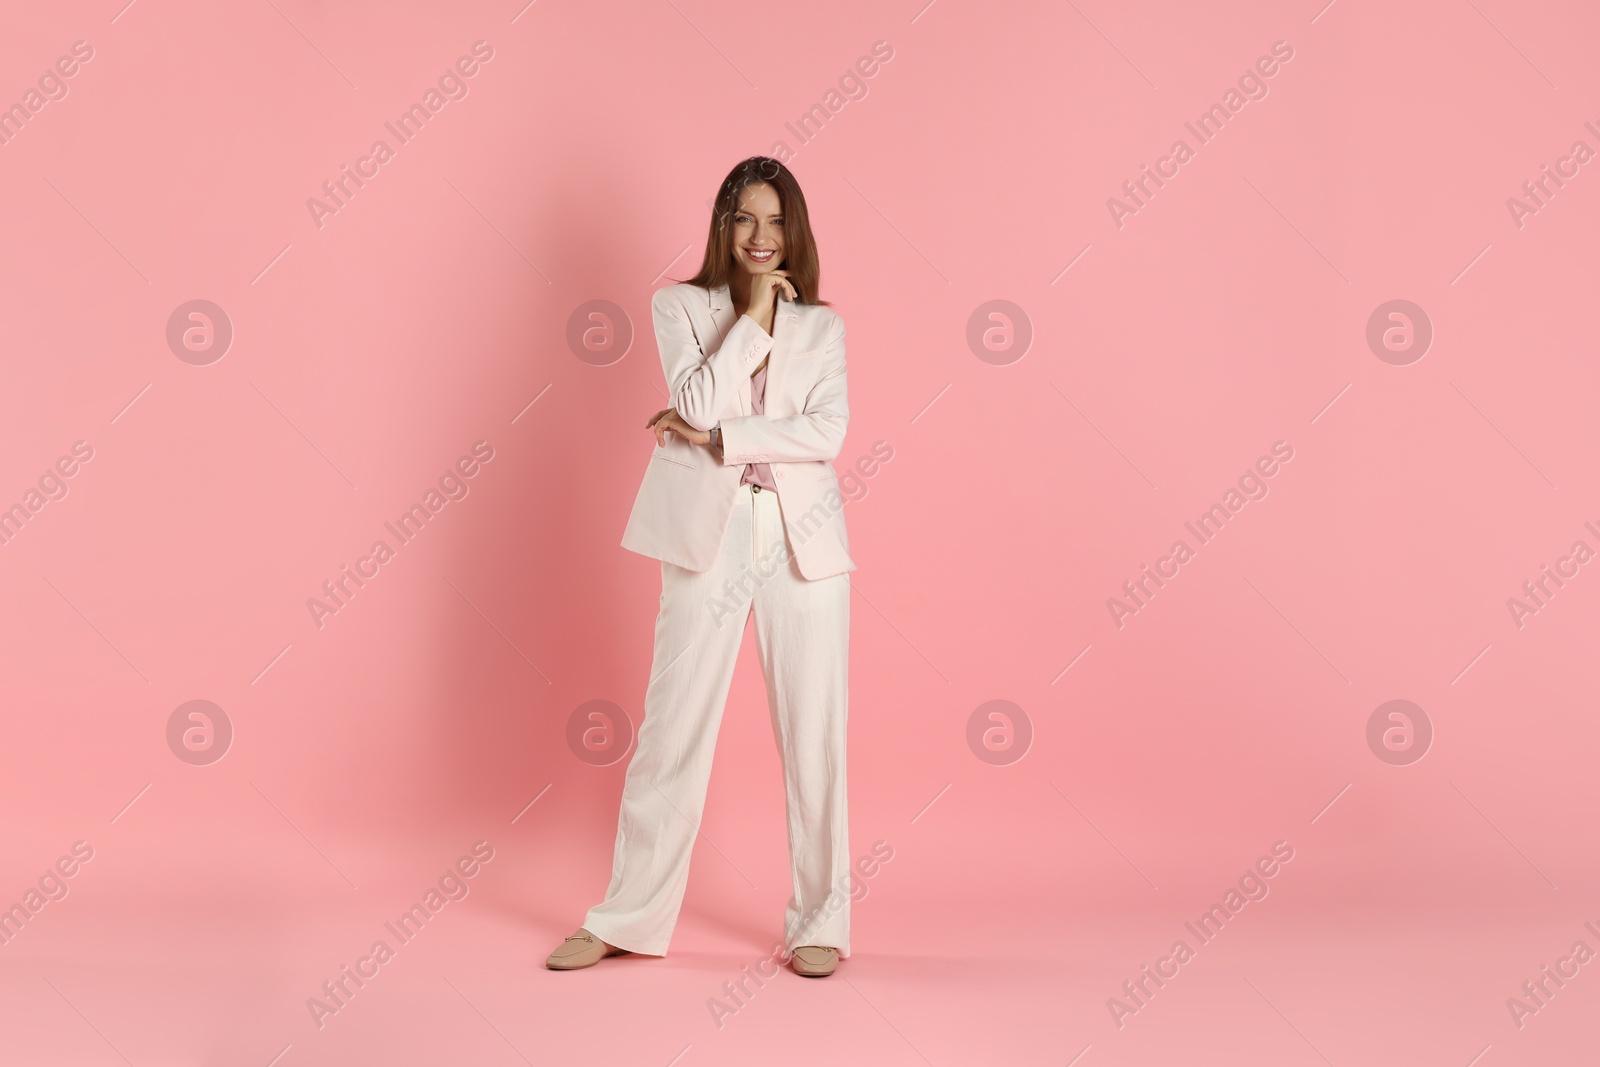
(799, 247)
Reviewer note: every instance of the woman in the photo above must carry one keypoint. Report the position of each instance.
(741, 505)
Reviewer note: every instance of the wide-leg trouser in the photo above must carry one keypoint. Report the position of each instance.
(802, 641)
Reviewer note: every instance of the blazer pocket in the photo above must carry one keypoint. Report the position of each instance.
(663, 457)
(809, 353)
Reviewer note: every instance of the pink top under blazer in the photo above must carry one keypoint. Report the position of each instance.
(708, 354)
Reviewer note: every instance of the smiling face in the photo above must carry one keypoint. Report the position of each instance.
(758, 229)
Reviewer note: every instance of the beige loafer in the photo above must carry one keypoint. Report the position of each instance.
(814, 961)
(581, 949)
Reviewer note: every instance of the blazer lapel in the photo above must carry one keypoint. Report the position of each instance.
(721, 302)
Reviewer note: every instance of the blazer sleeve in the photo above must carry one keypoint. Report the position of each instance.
(702, 389)
(816, 433)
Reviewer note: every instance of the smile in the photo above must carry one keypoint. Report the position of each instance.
(761, 257)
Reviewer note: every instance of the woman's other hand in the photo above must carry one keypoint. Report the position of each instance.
(668, 420)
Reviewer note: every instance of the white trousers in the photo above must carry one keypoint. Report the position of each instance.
(802, 640)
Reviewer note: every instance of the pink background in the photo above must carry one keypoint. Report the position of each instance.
(1167, 755)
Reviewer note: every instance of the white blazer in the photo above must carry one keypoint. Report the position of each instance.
(686, 499)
